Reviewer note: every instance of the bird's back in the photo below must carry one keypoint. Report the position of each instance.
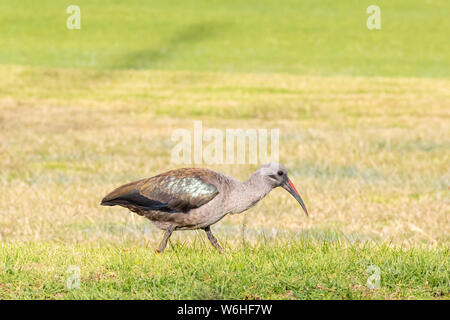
(177, 190)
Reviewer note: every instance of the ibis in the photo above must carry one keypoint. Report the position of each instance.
(196, 198)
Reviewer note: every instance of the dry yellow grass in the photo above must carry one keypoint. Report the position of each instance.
(370, 156)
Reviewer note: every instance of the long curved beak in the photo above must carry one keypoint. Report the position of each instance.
(289, 187)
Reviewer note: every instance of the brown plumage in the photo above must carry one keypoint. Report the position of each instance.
(172, 191)
(195, 198)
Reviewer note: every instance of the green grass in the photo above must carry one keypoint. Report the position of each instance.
(301, 37)
(290, 270)
(369, 157)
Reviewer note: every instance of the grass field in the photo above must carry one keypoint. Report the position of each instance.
(364, 133)
(301, 37)
(297, 270)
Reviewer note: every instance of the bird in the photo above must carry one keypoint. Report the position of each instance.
(196, 198)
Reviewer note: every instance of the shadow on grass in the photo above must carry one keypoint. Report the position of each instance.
(180, 40)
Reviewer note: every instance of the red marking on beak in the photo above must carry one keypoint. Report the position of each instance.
(292, 185)
(289, 187)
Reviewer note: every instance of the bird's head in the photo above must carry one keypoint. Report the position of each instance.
(275, 174)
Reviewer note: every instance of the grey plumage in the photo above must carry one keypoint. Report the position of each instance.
(196, 198)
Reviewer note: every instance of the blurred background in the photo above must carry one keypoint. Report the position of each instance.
(363, 114)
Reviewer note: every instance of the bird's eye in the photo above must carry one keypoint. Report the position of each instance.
(280, 173)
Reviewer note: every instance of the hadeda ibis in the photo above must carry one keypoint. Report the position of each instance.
(196, 198)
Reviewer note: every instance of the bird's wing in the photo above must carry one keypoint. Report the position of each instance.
(173, 191)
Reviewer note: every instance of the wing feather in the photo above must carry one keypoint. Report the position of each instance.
(174, 191)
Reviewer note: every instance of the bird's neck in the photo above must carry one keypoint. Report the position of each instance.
(247, 194)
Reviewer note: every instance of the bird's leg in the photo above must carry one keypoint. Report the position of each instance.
(213, 239)
(167, 235)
